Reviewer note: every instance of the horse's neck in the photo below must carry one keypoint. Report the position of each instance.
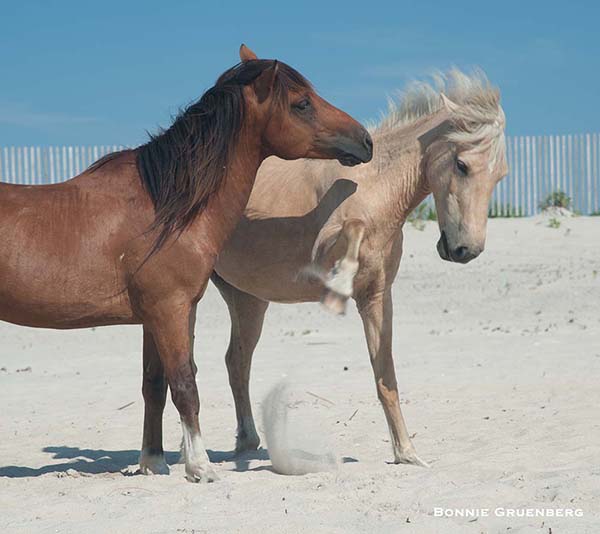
(400, 179)
(226, 206)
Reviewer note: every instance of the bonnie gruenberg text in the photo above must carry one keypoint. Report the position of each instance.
(507, 512)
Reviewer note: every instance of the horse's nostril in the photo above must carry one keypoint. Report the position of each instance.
(465, 254)
(460, 253)
(368, 140)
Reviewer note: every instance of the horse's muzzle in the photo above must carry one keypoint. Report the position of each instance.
(351, 151)
(461, 254)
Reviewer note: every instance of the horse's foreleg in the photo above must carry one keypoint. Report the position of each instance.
(339, 281)
(375, 309)
(154, 389)
(247, 314)
(172, 330)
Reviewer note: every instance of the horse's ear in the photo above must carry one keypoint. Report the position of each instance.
(263, 85)
(246, 54)
(448, 104)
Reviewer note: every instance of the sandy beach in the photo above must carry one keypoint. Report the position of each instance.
(498, 363)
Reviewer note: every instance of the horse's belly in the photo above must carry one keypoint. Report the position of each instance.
(75, 315)
(267, 258)
(62, 298)
(63, 313)
(282, 281)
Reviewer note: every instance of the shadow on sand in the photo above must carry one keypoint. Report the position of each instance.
(98, 461)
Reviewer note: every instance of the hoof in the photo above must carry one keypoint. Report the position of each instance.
(153, 464)
(203, 474)
(334, 302)
(246, 444)
(246, 438)
(410, 457)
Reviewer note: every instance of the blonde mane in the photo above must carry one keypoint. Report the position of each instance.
(477, 123)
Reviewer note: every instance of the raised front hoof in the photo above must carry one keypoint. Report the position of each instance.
(246, 444)
(201, 474)
(153, 464)
(411, 458)
(334, 302)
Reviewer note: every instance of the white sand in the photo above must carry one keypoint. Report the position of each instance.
(499, 367)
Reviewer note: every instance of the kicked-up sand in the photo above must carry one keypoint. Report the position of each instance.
(498, 363)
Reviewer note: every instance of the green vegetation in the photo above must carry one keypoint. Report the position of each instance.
(422, 213)
(554, 223)
(556, 199)
(425, 212)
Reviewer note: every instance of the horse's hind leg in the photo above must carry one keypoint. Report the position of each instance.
(154, 389)
(339, 281)
(247, 315)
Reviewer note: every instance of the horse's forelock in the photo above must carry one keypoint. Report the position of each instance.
(479, 119)
(287, 78)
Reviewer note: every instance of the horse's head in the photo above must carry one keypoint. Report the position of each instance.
(463, 165)
(296, 121)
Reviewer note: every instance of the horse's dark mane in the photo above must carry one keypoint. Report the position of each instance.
(182, 166)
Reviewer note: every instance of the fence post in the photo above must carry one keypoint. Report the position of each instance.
(570, 169)
(534, 177)
(528, 175)
(557, 164)
(511, 165)
(595, 171)
(588, 164)
(576, 170)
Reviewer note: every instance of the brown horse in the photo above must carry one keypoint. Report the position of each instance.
(133, 239)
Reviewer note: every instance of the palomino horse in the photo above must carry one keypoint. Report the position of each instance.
(347, 225)
(134, 238)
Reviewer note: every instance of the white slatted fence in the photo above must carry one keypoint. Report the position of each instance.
(33, 165)
(539, 165)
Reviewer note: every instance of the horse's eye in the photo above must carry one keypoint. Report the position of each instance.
(303, 105)
(462, 167)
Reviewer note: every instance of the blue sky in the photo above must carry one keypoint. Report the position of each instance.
(105, 72)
